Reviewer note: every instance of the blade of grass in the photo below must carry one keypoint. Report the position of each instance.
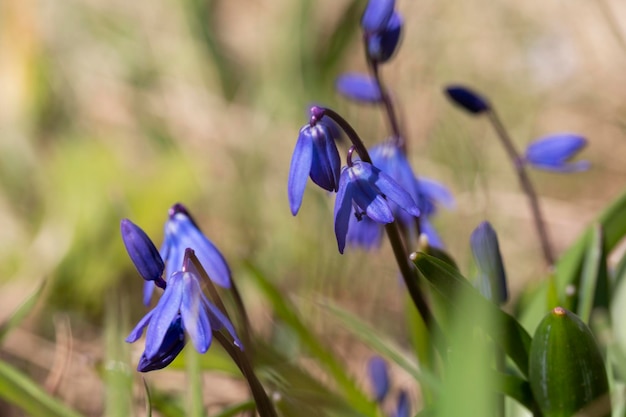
(236, 409)
(148, 398)
(21, 312)
(116, 372)
(20, 390)
(594, 281)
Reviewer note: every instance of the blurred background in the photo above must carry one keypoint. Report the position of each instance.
(114, 109)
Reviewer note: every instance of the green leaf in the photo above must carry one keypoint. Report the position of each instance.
(594, 282)
(566, 370)
(448, 282)
(20, 390)
(22, 311)
(236, 409)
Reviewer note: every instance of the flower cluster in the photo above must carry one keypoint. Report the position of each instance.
(183, 310)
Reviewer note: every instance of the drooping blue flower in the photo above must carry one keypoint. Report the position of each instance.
(315, 156)
(380, 46)
(554, 152)
(376, 15)
(142, 252)
(403, 406)
(366, 191)
(467, 99)
(491, 274)
(359, 87)
(379, 376)
(183, 306)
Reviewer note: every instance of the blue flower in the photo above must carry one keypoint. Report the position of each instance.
(142, 252)
(403, 407)
(379, 377)
(491, 274)
(467, 99)
(376, 15)
(182, 307)
(381, 46)
(553, 153)
(182, 232)
(359, 87)
(315, 156)
(366, 191)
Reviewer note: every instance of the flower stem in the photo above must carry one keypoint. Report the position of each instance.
(526, 185)
(392, 116)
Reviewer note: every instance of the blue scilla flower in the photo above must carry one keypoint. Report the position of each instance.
(183, 307)
(182, 232)
(359, 87)
(315, 156)
(467, 99)
(142, 252)
(491, 274)
(376, 15)
(554, 152)
(364, 190)
(378, 373)
(403, 405)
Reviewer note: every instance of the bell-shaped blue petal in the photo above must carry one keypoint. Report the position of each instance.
(376, 15)
(370, 191)
(142, 251)
(467, 99)
(378, 373)
(491, 275)
(364, 233)
(359, 87)
(315, 156)
(403, 406)
(381, 46)
(432, 194)
(165, 312)
(554, 152)
(181, 232)
(172, 345)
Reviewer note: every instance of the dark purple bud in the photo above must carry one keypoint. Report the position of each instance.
(486, 251)
(359, 87)
(377, 15)
(382, 45)
(142, 251)
(467, 99)
(173, 343)
(379, 377)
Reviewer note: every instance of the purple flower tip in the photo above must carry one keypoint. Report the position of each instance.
(376, 15)
(554, 152)
(379, 377)
(359, 87)
(467, 99)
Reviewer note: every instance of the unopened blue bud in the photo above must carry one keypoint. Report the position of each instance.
(486, 251)
(381, 46)
(467, 99)
(379, 377)
(554, 152)
(359, 87)
(377, 15)
(403, 406)
(142, 251)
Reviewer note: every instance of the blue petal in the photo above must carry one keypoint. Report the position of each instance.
(172, 345)
(394, 192)
(148, 289)
(299, 171)
(364, 233)
(486, 252)
(164, 314)
(359, 87)
(388, 158)
(467, 99)
(142, 251)
(135, 334)
(379, 377)
(194, 314)
(427, 228)
(343, 208)
(377, 14)
(218, 321)
(382, 45)
(403, 408)
(326, 164)
(366, 196)
(553, 153)
(185, 235)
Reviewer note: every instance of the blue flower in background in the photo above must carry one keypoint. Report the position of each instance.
(315, 156)
(467, 99)
(379, 377)
(366, 191)
(143, 253)
(182, 307)
(491, 274)
(380, 46)
(403, 405)
(359, 87)
(376, 15)
(553, 153)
